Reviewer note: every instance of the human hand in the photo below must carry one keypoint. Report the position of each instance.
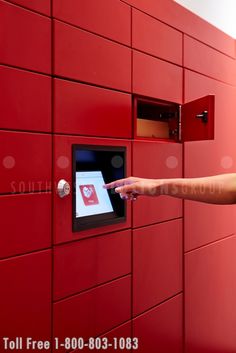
(130, 188)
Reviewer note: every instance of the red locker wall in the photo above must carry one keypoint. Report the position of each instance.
(68, 76)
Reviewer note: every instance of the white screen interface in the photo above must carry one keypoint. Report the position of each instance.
(91, 197)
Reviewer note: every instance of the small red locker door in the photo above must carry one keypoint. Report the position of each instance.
(197, 119)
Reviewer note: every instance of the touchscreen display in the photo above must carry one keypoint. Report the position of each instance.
(91, 197)
(93, 166)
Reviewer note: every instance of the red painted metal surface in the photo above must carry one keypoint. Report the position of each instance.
(22, 93)
(26, 162)
(205, 158)
(88, 110)
(26, 297)
(81, 265)
(63, 170)
(93, 312)
(201, 58)
(86, 57)
(42, 6)
(156, 160)
(109, 18)
(193, 127)
(157, 264)
(200, 231)
(160, 329)
(210, 289)
(184, 20)
(25, 223)
(157, 39)
(154, 78)
(30, 38)
(196, 86)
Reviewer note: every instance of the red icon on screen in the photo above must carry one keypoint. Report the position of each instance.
(89, 195)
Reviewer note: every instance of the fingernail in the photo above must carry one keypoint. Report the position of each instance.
(117, 189)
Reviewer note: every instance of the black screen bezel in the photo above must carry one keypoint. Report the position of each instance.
(102, 219)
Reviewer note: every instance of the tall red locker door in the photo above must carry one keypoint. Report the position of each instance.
(205, 158)
(161, 328)
(62, 161)
(209, 245)
(157, 264)
(26, 298)
(210, 287)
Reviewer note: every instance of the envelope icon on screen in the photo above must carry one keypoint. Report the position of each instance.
(89, 195)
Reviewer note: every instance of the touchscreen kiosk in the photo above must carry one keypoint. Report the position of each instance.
(94, 166)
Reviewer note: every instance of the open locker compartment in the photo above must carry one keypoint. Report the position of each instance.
(167, 121)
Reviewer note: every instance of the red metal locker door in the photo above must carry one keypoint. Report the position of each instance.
(90, 262)
(197, 119)
(26, 162)
(93, 312)
(156, 160)
(30, 37)
(180, 18)
(25, 303)
(25, 223)
(208, 61)
(169, 43)
(87, 110)
(204, 158)
(157, 264)
(25, 100)
(210, 290)
(161, 329)
(154, 78)
(109, 18)
(87, 57)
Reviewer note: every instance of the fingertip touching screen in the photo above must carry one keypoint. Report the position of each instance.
(93, 205)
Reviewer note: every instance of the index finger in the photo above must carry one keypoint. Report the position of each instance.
(114, 184)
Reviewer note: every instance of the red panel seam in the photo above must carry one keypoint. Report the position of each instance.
(27, 9)
(94, 287)
(156, 305)
(210, 243)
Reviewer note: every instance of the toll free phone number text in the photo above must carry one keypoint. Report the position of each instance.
(98, 343)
